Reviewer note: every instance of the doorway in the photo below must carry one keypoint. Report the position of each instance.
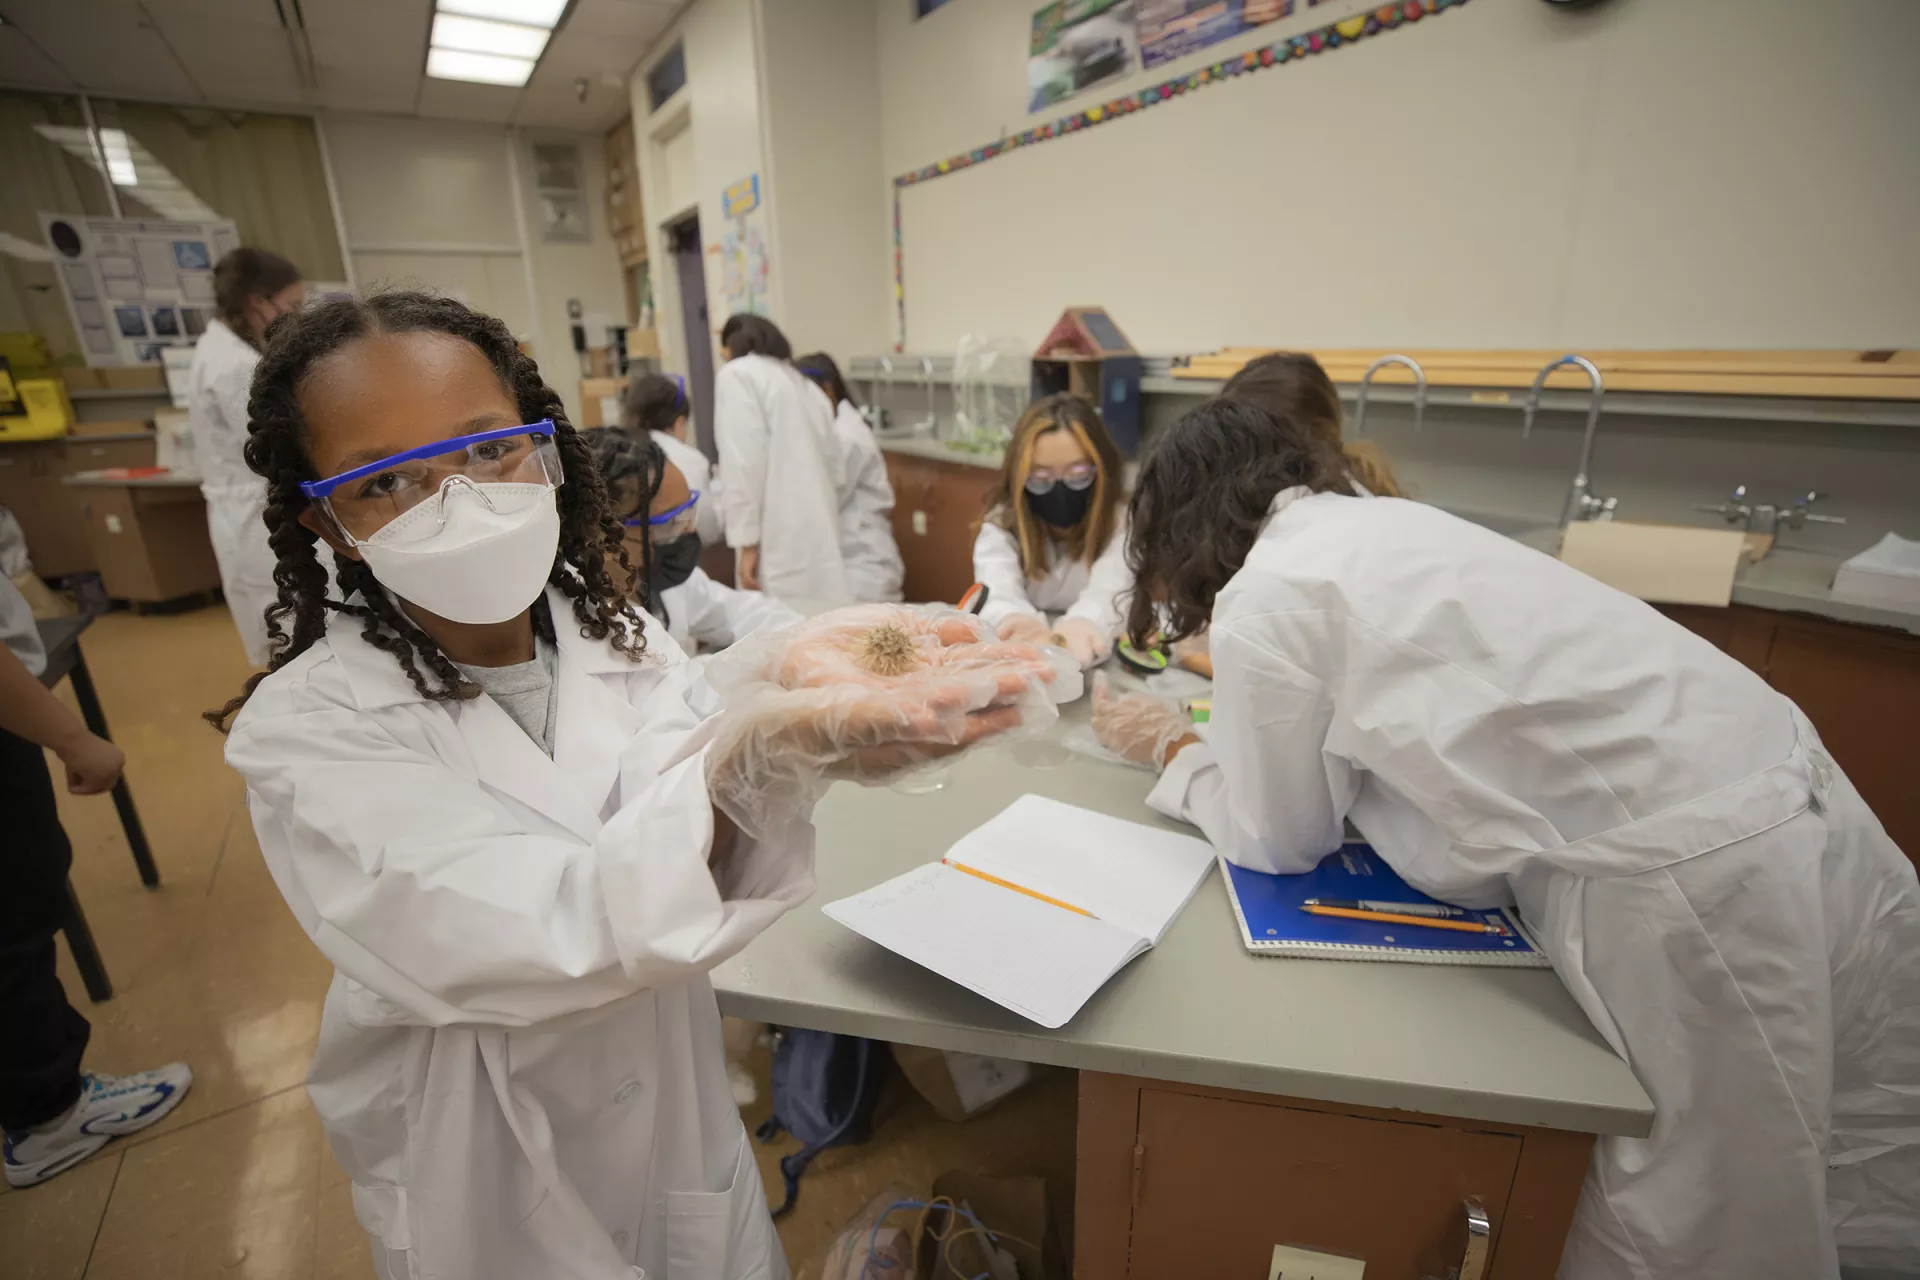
(690, 276)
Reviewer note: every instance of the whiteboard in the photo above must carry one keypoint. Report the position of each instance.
(1721, 173)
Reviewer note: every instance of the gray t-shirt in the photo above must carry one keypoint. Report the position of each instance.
(17, 629)
(524, 691)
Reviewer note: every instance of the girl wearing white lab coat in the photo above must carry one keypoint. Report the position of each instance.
(659, 511)
(1504, 729)
(867, 549)
(480, 788)
(1054, 539)
(656, 403)
(774, 430)
(252, 288)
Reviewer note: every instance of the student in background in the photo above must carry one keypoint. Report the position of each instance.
(1054, 538)
(1504, 729)
(650, 497)
(657, 403)
(252, 288)
(1293, 386)
(867, 548)
(782, 461)
(54, 1114)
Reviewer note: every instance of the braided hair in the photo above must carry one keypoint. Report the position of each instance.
(632, 467)
(589, 537)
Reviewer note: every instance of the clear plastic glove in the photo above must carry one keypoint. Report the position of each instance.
(1137, 726)
(1027, 628)
(805, 705)
(1086, 642)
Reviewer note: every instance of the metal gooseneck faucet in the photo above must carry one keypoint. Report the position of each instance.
(1366, 382)
(1581, 504)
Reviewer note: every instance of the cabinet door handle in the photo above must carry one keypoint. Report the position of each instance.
(1473, 1263)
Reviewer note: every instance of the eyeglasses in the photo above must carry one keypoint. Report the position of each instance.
(1077, 477)
(359, 503)
(668, 525)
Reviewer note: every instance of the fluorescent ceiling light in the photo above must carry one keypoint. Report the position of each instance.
(481, 68)
(531, 13)
(478, 35)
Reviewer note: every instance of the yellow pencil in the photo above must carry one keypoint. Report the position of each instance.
(1017, 888)
(1425, 922)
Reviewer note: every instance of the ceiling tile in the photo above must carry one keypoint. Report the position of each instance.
(633, 24)
(109, 46)
(234, 61)
(458, 100)
(23, 64)
(369, 52)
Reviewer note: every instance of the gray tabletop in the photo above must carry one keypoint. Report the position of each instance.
(1504, 1045)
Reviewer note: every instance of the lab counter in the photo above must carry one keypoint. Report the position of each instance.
(1228, 1101)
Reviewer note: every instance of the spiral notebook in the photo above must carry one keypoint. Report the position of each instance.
(1272, 923)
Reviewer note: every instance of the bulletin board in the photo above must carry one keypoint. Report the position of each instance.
(135, 287)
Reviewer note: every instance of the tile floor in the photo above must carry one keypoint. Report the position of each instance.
(211, 968)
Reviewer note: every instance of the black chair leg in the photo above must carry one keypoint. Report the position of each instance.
(86, 956)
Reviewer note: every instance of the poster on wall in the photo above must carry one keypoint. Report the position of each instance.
(136, 286)
(1172, 29)
(1076, 45)
(743, 249)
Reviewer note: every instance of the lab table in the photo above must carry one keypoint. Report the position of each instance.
(61, 639)
(1228, 1102)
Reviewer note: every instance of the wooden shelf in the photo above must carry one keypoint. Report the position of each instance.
(1875, 375)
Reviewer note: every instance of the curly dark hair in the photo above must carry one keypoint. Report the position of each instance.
(1291, 384)
(1198, 504)
(652, 402)
(632, 467)
(276, 449)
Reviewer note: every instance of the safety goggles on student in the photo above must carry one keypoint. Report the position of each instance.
(679, 521)
(1080, 475)
(358, 504)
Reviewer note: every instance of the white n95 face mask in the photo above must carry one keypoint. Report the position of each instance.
(476, 553)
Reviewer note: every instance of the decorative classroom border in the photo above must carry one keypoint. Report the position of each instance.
(1334, 35)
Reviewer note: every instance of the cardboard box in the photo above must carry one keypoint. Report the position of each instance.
(600, 402)
(959, 1086)
(81, 378)
(134, 378)
(642, 343)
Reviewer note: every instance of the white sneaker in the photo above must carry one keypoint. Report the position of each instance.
(109, 1107)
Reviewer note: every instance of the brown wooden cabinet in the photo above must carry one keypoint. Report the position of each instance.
(626, 221)
(937, 507)
(1859, 685)
(50, 513)
(1177, 1181)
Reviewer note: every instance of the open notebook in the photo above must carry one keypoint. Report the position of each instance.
(1272, 923)
(1053, 900)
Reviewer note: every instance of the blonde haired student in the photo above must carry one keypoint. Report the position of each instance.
(1053, 541)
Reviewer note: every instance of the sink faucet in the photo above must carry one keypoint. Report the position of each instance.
(1581, 504)
(1366, 382)
(876, 411)
(1770, 518)
(933, 415)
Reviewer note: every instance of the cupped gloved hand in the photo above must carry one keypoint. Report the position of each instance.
(1136, 726)
(1027, 628)
(1086, 642)
(866, 693)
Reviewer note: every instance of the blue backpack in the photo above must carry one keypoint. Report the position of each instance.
(825, 1087)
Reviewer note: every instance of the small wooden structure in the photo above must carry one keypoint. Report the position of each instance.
(1086, 353)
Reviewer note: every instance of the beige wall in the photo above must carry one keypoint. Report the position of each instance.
(1735, 173)
(432, 204)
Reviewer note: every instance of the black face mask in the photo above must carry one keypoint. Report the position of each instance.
(673, 563)
(1060, 506)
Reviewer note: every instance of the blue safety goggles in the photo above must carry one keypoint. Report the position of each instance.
(681, 519)
(361, 502)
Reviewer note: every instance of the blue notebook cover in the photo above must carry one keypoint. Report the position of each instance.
(1272, 923)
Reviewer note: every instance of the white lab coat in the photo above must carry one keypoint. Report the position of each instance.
(217, 389)
(701, 478)
(1710, 888)
(1070, 587)
(704, 614)
(520, 1062)
(867, 548)
(774, 429)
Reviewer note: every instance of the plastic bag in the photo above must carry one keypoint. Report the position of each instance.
(868, 693)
